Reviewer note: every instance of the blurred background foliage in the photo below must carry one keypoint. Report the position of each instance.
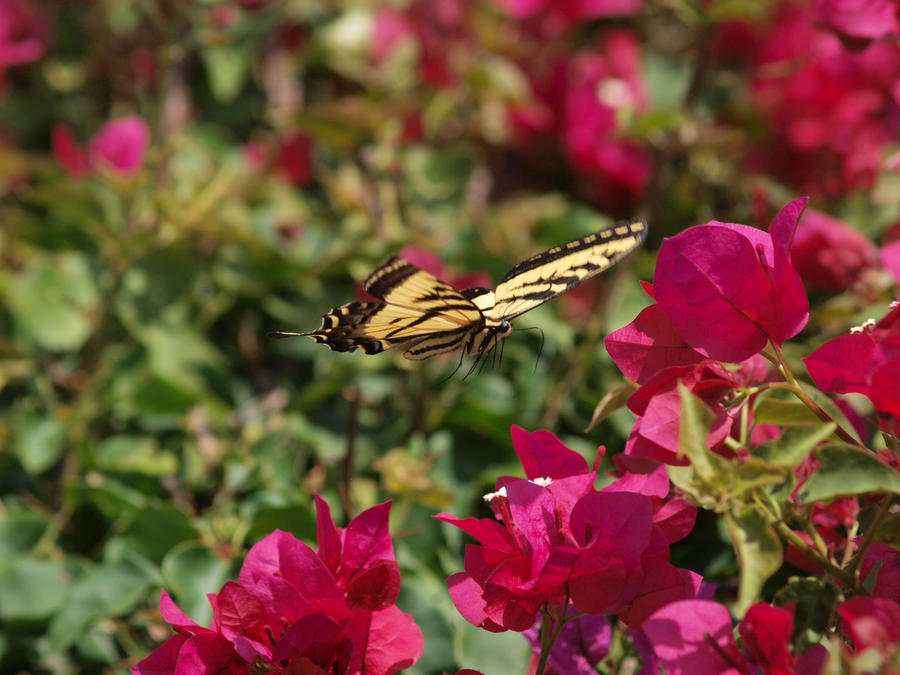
(150, 432)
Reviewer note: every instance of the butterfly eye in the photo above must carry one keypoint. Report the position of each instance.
(505, 327)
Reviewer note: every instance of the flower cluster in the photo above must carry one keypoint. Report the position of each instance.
(295, 610)
(557, 540)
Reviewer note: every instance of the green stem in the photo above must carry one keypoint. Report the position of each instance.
(884, 508)
(548, 637)
(847, 577)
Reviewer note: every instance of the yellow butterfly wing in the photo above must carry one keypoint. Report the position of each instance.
(417, 312)
(544, 276)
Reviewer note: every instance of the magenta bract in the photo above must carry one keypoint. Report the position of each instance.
(297, 611)
(729, 289)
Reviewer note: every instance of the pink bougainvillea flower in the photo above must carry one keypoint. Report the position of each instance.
(657, 405)
(583, 99)
(293, 159)
(872, 623)
(828, 254)
(890, 257)
(602, 86)
(557, 537)
(297, 610)
(71, 156)
(118, 146)
(582, 643)
(649, 344)
(729, 289)
(831, 112)
(766, 631)
(884, 562)
(865, 361)
(694, 636)
(22, 35)
(436, 27)
(868, 19)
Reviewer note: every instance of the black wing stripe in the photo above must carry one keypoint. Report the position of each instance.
(636, 229)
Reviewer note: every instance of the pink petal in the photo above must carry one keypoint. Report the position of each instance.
(163, 659)
(766, 631)
(388, 641)
(842, 364)
(681, 633)
(872, 19)
(872, 622)
(543, 455)
(209, 654)
(327, 536)
(67, 152)
(175, 617)
(488, 532)
(648, 344)
(890, 256)
(121, 144)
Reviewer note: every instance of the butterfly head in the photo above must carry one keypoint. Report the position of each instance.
(485, 339)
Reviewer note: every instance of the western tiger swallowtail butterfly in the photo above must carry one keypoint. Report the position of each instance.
(423, 316)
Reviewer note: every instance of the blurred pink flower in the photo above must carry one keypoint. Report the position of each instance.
(832, 112)
(603, 85)
(119, 146)
(294, 159)
(867, 19)
(437, 27)
(582, 100)
(22, 35)
(872, 623)
(828, 254)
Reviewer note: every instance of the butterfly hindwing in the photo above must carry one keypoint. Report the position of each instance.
(544, 276)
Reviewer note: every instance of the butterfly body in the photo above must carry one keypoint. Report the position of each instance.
(423, 316)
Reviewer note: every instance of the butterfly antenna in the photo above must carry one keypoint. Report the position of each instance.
(474, 365)
(462, 353)
(540, 349)
(280, 334)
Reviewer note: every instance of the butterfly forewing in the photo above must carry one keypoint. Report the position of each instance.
(419, 313)
(534, 281)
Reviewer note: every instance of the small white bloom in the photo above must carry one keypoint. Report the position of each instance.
(490, 496)
(543, 482)
(864, 327)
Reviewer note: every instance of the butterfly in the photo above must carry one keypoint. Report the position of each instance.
(423, 316)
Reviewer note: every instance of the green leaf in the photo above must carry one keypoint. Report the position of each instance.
(137, 454)
(51, 301)
(110, 589)
(31, 589)
(795, 443)
(846, 471)
(38, 443)
(693, 430)
(490, 652)
(816, 601)
(771, 410)
(19, 533)
(190, 571)
(759, 552)
(227, 67)
(155, 530)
